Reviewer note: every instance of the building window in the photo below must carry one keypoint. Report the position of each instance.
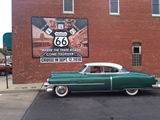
(155, 7)
(114, 7)
(136, 54)
(68, 6)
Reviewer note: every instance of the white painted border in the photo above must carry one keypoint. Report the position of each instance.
(69, 12)
(154, 15)
(110, 9)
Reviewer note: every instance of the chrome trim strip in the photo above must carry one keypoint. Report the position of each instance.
(49, 87)
(111, 82)
(107, 73)
(82, 84)
(46, 84)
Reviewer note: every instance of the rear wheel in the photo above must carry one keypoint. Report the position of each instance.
(61, 90)
(132, 91)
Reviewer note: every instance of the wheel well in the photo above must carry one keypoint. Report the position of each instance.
(54, 87)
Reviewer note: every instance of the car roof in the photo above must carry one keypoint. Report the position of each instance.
(104, 64)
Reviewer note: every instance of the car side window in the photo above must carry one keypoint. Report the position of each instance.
(110, 69)
(101, 69)
(87, 70)
(94, 69)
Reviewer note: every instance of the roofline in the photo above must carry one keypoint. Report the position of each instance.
(104, 64)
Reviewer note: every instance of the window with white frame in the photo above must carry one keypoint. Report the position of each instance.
(156, 7)
(114, 7)
(68, 6)
(136, 54)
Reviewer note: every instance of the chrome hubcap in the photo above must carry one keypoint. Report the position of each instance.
(61, 89)
(132, 90)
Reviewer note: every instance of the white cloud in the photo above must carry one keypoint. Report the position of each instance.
(6, 19)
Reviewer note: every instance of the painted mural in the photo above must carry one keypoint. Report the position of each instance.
(61, 40)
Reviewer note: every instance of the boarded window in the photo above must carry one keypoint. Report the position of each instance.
(136, 54)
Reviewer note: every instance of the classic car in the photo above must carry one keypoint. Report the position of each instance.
(100, 77)
(3, 69)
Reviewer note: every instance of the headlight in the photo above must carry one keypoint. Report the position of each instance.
(47, 80)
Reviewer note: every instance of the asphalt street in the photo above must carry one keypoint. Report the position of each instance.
(95, 106)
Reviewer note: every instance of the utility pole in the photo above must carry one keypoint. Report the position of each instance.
(5, 50)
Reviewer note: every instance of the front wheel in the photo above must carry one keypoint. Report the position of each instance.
(61, 90)
(132, 91)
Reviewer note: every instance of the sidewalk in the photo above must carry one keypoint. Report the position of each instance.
(18, 87)
(16, 100)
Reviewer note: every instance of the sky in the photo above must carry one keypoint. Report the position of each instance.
(6, 19)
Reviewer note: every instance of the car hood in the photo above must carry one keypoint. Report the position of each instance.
(64, 74)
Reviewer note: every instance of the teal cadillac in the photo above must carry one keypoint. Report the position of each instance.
(100, 77)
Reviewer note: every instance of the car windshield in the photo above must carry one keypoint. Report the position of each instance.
(82, 68)
(124, 70)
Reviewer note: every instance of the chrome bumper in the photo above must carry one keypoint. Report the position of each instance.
(157, 85)
(49, 87)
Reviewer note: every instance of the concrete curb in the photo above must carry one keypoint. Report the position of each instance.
(23, 88)
(15, 91)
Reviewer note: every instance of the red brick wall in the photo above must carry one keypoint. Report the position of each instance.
(110, 37)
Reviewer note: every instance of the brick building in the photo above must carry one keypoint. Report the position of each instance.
(62, 35)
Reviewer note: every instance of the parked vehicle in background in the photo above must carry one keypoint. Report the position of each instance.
(100, 77)
(10, 63)
(3, 69)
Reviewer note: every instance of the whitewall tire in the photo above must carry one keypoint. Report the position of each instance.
(132, 91)
(61, 90)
